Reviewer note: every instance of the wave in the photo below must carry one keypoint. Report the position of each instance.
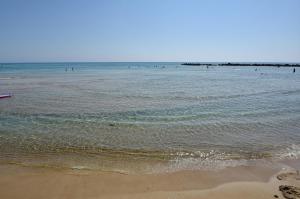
(145, 161)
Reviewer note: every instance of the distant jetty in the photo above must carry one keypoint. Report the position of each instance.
(240, 64)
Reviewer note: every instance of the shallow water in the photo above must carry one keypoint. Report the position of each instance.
(147, 116)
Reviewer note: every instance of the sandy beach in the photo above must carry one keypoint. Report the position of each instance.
(238, 182)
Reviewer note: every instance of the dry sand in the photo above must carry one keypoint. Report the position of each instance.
(239, 182)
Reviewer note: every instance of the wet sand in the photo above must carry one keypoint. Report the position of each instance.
(238, 182)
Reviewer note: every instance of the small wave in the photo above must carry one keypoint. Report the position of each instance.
(207, 160)
(291, 152)
(137, 160)
(198, 164)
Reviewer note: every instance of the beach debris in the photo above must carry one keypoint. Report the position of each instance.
(290, 192)
(275, 196)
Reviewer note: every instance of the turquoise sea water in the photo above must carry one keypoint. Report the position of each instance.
(147, 116)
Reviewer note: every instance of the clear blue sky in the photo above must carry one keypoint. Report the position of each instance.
(149, 30)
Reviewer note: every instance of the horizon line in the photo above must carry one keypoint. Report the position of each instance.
(40, 62)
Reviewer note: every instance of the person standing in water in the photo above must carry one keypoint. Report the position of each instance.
(294, 70)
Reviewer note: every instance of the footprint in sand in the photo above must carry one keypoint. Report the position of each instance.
(288, 191)
(290, 175)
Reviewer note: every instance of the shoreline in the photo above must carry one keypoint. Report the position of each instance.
(232, 182)
(136, 166)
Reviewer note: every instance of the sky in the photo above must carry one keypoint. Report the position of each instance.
(150, 30)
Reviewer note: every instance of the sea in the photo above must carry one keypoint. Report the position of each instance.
(147, 117)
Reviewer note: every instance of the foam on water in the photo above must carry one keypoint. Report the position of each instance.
(291, 152)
